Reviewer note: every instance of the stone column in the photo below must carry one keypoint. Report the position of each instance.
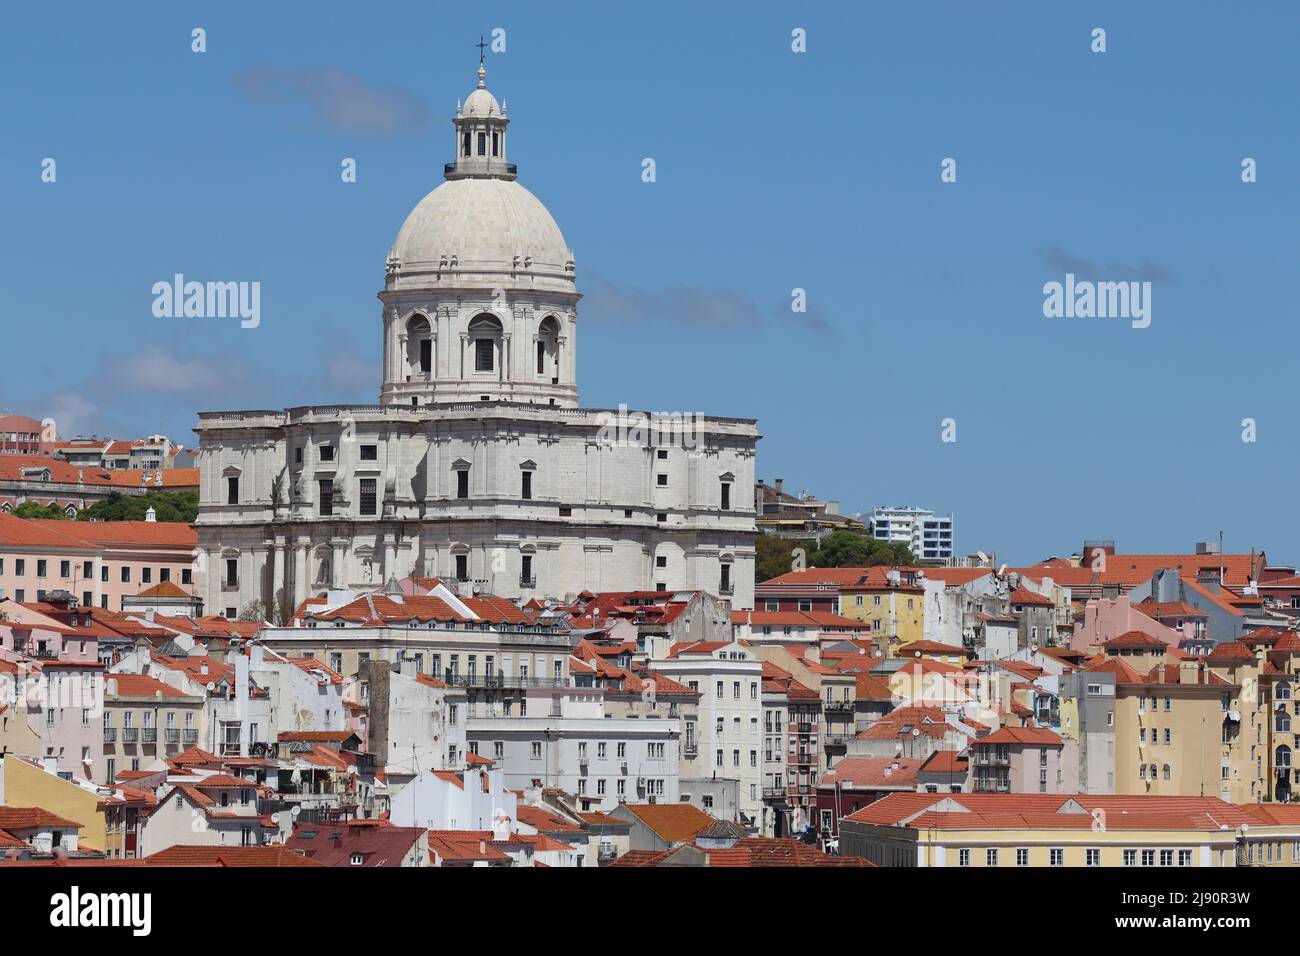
(390, 556)
(279, 585)
(300, 571)
(337, 578)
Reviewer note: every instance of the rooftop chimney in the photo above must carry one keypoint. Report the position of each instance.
(779, 483)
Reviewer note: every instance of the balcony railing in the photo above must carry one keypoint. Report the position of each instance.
(835, 740)
(773, 793)
(726, 587)
(130, 735)
(527, 581)
(191, 737)
(172, 735)
(691, 749)
(500, 680)
(149, 735)
(606, 854)
(837, 706)
(110, 735)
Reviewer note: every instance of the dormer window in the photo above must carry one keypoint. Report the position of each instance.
(356, 859)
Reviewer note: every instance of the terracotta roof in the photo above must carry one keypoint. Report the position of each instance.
(1021, 811)
(1135, 640)
(137, 685)
(1026, 596)
(239, 856)
(770, 851)
(874, 772)
(1231, 652)
(24, 818)
(377, 842)
(1039, 736)
(674, 822)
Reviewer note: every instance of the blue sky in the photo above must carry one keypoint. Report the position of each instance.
(775, 170)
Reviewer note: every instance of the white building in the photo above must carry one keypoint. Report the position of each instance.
(927, 534)
(565, 740)
(478, 464)
(729, 678)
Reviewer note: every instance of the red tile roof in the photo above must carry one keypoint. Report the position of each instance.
(674, 822)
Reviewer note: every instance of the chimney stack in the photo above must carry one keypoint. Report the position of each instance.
(779, 483)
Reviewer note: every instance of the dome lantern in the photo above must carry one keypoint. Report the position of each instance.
(480, 136)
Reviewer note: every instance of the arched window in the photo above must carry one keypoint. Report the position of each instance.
(419, 345)
(1283, 691)
(1282, 722)
(485, 337)
(548, 348)
(1282, 758)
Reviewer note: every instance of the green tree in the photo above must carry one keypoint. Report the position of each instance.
(30, 509)
(772, 556)
(848, 549)
(176, 506)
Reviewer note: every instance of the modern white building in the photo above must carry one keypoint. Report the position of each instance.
(929, 535)
(478, 464)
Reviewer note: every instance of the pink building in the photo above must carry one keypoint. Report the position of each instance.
(98, 563)
(1022, 760)
(1106, 618)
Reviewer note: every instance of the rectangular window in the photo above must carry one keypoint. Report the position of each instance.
(41, 567)
(326, 497)
(232, 490)
(369, 452)
(462, 483)
(1022, 857)
(991, 856)
(726, 496)
(483, 357)
(65, 569)
(232, 572)
(526, 485)
(326, 452)
(369, 488)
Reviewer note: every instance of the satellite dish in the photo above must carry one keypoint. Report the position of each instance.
(1002, 570)
(295, 811)
(984, 558)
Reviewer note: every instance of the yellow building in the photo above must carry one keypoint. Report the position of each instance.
(1014, 830)
(1153, 721)
(890, 601)
(23, 784)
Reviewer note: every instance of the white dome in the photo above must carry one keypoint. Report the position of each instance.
(481, 222)
(479, 104)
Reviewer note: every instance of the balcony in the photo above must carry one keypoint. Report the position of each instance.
(527, 581)
(805, 728)
(835, 740)
(172, 735)
(838, 706)
(690, 749)
(726, 587)
(110, 735)
(191, 737)
(130, 735)
(149, 735)
(502, 681)
(606, 854)
(774, 793)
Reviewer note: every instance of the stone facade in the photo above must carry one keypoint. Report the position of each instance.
(478, 465)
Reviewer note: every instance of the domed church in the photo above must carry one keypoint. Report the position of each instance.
(478, 466)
